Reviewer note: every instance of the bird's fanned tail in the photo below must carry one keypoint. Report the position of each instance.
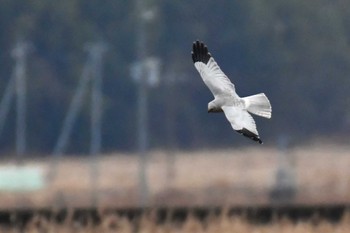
(258, 104)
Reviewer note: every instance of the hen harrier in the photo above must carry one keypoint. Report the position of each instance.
(235, 108)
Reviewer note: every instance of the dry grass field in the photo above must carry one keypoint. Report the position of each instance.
(320, 174)
(222, 223)
(241, 177)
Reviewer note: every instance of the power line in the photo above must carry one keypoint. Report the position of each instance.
(6, 102)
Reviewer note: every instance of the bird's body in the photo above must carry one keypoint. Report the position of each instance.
(235, 108)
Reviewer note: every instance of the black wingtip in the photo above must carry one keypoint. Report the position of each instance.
(250, 135)
(200, 52)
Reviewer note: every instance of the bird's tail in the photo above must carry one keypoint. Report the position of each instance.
(258, 104)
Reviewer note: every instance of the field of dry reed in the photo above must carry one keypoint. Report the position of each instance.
(148, 223)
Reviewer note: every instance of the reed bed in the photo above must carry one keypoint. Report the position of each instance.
(149, 223)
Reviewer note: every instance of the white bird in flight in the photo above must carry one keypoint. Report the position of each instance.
(235, 108)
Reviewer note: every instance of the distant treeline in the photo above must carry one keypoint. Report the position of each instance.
(295, 51)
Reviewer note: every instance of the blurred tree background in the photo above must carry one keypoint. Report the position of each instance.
(297, 52)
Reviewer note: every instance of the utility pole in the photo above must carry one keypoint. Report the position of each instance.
(91, 75)
(96, 52)
(73, 111)
(170, 81)
(142, 102)
(284, 189)
(19, 53)
(145, 72)
(92, 72)
(17, 88)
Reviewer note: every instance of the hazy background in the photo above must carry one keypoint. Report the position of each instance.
(295, 51)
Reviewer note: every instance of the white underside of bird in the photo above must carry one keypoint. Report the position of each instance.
(236, 109)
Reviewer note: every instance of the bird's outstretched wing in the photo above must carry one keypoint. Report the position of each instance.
(242, 122)
(212, 75)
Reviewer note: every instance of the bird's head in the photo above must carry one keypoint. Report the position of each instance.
(213, 108)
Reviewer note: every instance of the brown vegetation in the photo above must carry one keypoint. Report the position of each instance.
(147, 223)
(227, 177)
